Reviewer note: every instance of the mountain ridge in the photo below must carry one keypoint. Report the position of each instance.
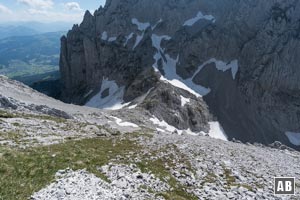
(193, 41)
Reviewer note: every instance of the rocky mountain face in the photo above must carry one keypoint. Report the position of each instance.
(236, 62)
(52, 150)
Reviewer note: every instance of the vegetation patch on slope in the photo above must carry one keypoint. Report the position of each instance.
(23, 172)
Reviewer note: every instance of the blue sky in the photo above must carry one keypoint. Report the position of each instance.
(46, 10)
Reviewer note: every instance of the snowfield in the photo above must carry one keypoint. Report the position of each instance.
(169, 67)
(199, 16)
(114, 99)
(184, 100)
(294, 138)
(216, 131)
(105, 37)
(121, 123)
(222, 66)
(163, 125)
(141, 26)
(128, 38)
(138, 40)
(171, 76)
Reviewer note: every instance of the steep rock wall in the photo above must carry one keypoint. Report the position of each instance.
(258, 102)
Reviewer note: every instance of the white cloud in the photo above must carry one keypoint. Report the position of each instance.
(4, 9)
(46, 16)
(74, 6)
(37, 12)
(45, 11)
(37, 4)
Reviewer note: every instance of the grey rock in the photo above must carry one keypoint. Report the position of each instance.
(164, 102)
(259, 105)
(7, 103)
(279, 145)
(50, 111)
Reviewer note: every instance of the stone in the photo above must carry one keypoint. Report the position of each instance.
(253, 97)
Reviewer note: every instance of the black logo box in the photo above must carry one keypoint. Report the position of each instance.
(283, 183)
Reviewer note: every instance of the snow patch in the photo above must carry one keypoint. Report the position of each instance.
(160, 130)
(199, 16)
(113, 101)
(124, 124)
(138, 40)
(133, 106)
(128, 38)
(105, 37)
(169, 64)
(88, 93)
(164, 127)
(187, 85)
(169, 67)
(184, 100)
(216, 131)
(139, 99)
(222, 66)
(157, 23)
(111, 39)
(141, 26)
(156, 40)
(163, 124)
(189, 132)
(234, 68)
(293, 137)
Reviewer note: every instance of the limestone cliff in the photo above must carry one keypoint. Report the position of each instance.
(240, 56)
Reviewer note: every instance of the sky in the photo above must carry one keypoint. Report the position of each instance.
(71, 11)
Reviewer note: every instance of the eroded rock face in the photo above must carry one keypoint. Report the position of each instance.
(166, 102)
(258, 102)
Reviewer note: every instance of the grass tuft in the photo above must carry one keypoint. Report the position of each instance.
(23, 173)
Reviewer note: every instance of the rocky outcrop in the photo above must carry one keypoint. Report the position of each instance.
(13, 104)
(243, 53)
(167, 102)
